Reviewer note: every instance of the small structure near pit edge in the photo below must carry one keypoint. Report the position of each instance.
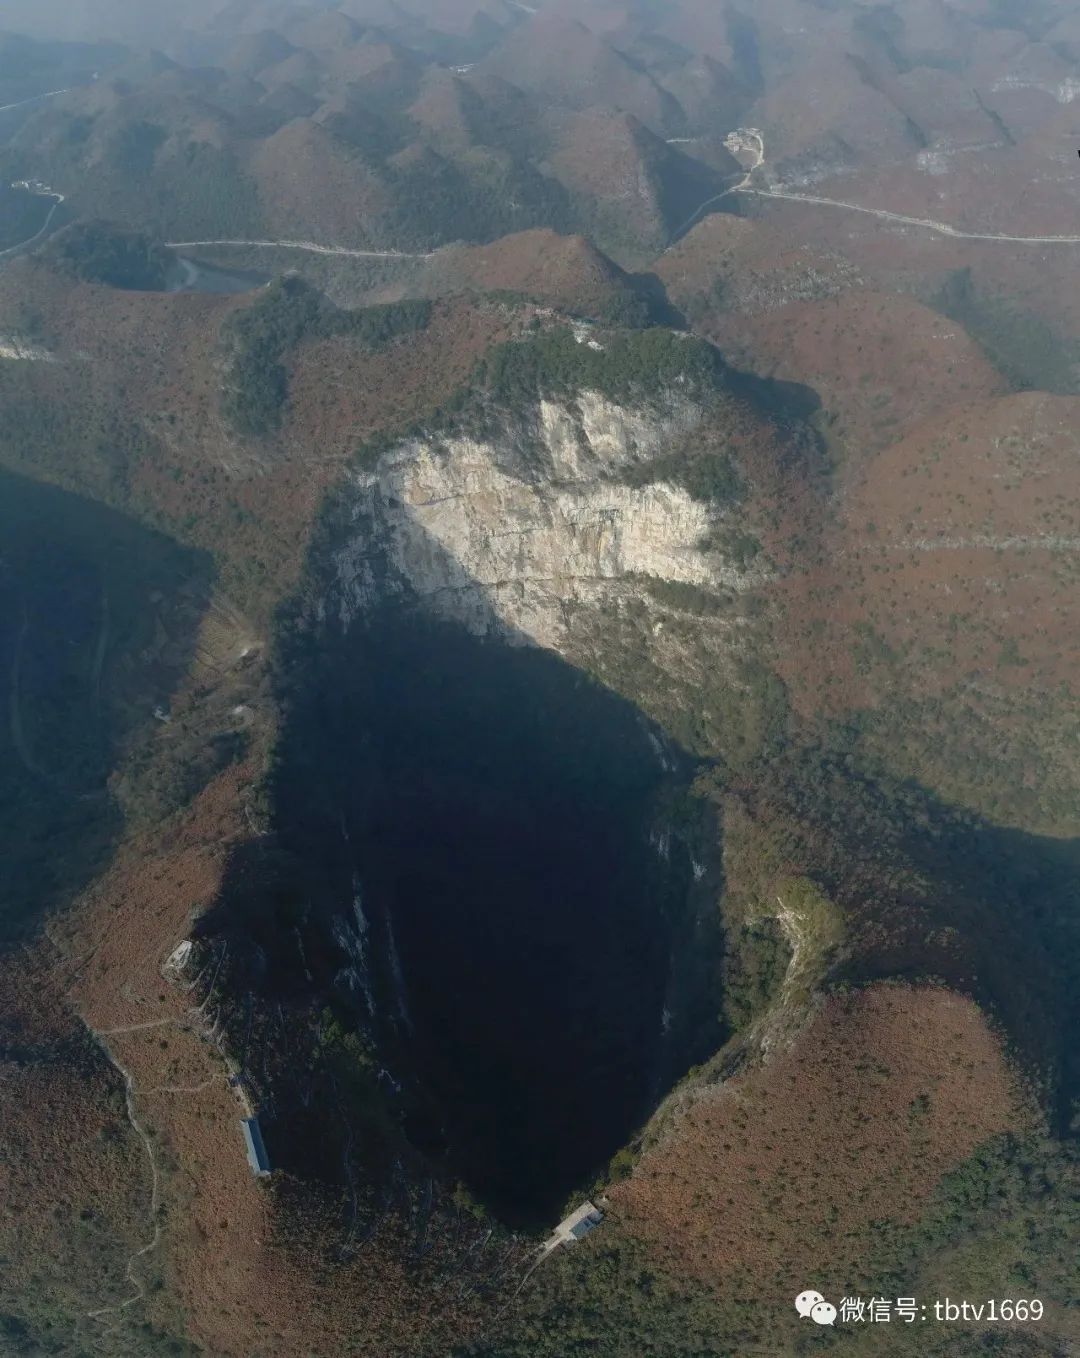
(177, 961)
(256, 1147)
(575, 1227)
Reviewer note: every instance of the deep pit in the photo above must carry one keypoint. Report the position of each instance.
(504, 821)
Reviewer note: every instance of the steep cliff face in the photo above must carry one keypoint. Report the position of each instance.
(515, 892)
(521, 530)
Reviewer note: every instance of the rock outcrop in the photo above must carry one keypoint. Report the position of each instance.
(515, 530)
(11, 346)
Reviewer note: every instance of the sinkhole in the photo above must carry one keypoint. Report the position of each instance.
(505, 822)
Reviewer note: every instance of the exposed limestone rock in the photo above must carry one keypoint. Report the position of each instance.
(11, 346)
(515, 530)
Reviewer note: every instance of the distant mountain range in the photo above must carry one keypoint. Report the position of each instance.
(538, 676)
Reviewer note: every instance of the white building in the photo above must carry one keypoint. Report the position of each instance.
(575, 1227)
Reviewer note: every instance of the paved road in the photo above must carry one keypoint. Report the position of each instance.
(752, 139)
(58, 198)
(310, 246)
(942, 228)
(25, 103)
(756, 142)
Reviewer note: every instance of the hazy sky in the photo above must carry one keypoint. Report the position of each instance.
(134, 21)
(144, 23)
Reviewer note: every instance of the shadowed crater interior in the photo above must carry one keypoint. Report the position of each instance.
(503, 822)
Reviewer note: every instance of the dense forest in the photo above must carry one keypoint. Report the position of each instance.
(102, 252)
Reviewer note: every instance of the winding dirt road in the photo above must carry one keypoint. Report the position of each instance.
(151, 1245)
